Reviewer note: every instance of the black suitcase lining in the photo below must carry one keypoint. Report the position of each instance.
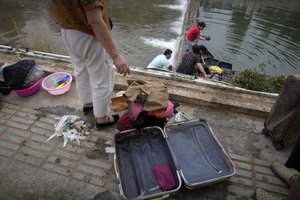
(137, 153)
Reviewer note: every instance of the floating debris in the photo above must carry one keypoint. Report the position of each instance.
(71, 128)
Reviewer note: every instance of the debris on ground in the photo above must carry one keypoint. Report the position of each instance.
(180, 117)
(106, 195)
(110, 150)
(71, 128)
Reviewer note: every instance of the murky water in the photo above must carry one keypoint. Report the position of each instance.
(253, 33)
(247, 34)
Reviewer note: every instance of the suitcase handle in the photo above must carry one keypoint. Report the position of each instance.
(116, 167)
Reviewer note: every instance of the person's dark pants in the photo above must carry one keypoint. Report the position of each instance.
(294, 158)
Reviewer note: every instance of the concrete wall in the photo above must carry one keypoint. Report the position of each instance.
(190, 20)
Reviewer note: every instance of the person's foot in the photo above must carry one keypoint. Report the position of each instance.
(103, 122)
(283, 172)
(87, 107)
(261, 194)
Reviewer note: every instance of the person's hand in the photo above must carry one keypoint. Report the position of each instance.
(121, 65)
(204, 76)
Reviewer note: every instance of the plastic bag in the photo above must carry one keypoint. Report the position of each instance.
(180, 117)
(4, 88)
(33, 76)
(15, 74)
(71, 128)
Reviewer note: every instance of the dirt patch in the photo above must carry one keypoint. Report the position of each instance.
(65, 110)
(23, 143)
(60, 110)
(57, 161)
(98, 152)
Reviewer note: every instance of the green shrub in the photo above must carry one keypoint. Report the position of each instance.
(252, 80)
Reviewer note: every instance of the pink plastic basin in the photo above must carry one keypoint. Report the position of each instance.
(49, 85)
(29, 91)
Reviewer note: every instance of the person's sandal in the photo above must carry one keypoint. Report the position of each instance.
(100, 126)
(261, 194)
(283, 172)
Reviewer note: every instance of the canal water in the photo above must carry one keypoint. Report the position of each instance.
(249, 34)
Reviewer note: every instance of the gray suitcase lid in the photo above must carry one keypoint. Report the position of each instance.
(197, 154)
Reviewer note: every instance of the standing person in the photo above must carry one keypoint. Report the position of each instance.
(86, 33)
(194, 34)
(191, 62)
(162, 61)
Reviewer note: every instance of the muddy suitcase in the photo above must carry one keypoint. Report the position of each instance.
(283, 121)
(189, 150)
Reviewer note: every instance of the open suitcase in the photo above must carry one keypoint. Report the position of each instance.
(283, 121)
(191, 149)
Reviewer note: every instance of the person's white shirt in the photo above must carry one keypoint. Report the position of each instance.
(159, 62)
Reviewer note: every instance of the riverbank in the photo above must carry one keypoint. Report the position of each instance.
(181, 88)
(190, 19)
(32, 168)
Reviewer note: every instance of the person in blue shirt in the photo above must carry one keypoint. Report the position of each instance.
(162, 61)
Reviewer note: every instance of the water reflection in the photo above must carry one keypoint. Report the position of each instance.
(253, 33)
(29, 23)
(244, 33)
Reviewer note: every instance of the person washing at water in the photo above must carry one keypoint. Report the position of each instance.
(191, 62)
(194, 34)
(87, 36)
(202, 51)
(161, 61)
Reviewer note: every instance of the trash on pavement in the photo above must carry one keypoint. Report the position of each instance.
(110, 150)
(71, 128)
(180, 117)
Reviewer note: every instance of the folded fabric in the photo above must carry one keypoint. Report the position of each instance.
(119, 103)
(125, 122)
(164, 177)
(134, 110)
(143, 120)
(160, 114)
(155, 94)
(164, 114)
(170, 110)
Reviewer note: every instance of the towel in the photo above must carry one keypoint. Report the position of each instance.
(164, 177)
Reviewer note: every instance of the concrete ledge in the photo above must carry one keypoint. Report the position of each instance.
(207, 94)
(198, 92)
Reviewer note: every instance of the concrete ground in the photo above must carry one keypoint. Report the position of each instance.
(32, 168)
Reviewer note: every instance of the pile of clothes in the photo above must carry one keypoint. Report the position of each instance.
(18, 76)
(148, 105)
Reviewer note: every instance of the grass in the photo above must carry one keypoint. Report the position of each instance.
(253, 80)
